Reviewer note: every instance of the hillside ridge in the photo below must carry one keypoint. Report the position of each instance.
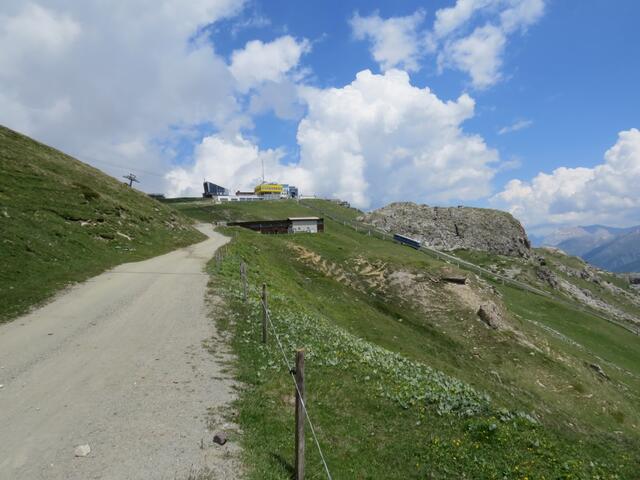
(385, 329)
(453, 228)
(612, 248)
(62, 221)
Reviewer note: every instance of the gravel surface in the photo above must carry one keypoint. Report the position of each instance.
(118, 363)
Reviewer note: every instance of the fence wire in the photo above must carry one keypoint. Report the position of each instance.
(291, 371)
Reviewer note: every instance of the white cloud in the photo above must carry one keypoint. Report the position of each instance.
(394, 41)
(91, 76)
(375, 140)
(450, 19)
(260, 62)
(381, 139)
(233, 162)
(254, 21)
(521, 14)
(282, 97)
(514, 127)
(513, 14)
(606, 193)
(480, 52)
(31, 30)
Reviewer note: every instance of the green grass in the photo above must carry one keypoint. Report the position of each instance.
(62, 221)
(612, 343)
(205, 210)
(376, 412)
(560, 265)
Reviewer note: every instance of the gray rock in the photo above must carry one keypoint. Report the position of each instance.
(490, 314)
(451, 228)
(82, 450)
(598, 369)
(459, 279)
(220, 438)
(548, 276)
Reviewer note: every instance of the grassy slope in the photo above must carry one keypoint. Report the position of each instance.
(398, 434)
(62, 221)
(554, 262)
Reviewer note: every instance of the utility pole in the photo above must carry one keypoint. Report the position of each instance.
(132, 178)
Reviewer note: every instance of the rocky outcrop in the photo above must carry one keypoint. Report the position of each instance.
(489, 314)
(453, 228)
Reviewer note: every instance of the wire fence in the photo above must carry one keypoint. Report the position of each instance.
(220, 255)
(370, 230)
(291, 371)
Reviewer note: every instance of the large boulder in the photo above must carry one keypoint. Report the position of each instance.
(452, 228)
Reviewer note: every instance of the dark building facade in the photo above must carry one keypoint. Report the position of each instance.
(213, 190)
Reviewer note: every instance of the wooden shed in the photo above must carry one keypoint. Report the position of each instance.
(306, 224)
(290, 225)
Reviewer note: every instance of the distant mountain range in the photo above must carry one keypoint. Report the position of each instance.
(614, 249)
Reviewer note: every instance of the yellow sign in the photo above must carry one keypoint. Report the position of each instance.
(268, 189)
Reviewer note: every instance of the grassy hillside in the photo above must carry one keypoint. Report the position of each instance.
(571, 279)
(62, 221)
(404, 380)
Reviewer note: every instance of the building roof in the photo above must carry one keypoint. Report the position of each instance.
(303, 218)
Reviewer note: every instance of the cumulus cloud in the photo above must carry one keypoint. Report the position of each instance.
(94, 78)
(606, 193)
(280, 97)
(234, 162)
(394, 41)
(32, 29)
(260, 62)
(381, 139)
(470, 36)
(375, 140)
(480, 52)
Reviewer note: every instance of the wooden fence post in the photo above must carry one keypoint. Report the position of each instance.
(300, 414)
(264, 313)
(243, 276)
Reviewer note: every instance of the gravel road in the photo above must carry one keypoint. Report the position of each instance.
(117, 363)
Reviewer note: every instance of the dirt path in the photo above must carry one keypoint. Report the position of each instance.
(116, 363)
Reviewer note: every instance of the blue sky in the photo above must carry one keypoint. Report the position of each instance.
(525, 105)
(573, 75)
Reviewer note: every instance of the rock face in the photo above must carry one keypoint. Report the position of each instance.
(489, 314)
(453, 228)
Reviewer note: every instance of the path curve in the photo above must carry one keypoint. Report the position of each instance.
(117, 363)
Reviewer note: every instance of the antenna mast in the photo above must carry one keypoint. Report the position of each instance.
(262, 169)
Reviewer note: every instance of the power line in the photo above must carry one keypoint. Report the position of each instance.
(128, 168)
